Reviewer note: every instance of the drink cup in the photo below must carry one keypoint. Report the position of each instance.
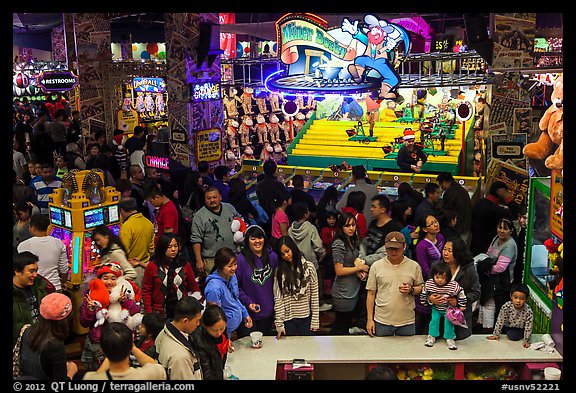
(552, 373)
(256, 338)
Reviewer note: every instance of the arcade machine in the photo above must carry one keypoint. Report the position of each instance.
(543, 267)
(80, 205)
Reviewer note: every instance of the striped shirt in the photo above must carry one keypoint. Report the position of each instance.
(44, 190)
(509, 316)
(450, 289)
(302, 303)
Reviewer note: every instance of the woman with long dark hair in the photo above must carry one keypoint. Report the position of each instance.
(347, 285)
(257, 264)
(457, 255)
(167, 278)
(112, 250)
(296, 302)
(42, 350)
(222, 289)
(329, 199)
(355, 206)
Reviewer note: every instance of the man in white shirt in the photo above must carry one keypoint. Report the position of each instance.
(51, 252)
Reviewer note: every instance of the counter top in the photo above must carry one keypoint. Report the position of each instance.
(249, 363)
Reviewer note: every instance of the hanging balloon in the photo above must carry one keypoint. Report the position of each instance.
(134, 48)
(239, 48)
(21, 80)
(144, 55)
(162, 55)
(247, 49)
(152, 48)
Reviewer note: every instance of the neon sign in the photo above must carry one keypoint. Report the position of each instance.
(57, 81)
(158, 162)
(206, 91)
(149, 85)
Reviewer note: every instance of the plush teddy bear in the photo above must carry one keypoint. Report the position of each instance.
(266, 152)
(246, 100)
(244, 131)
(248, 154)
(99, 294)
(552, 127)
(279, 155)
(116, 313)
(231, 133)
(238, 227)
(274, 128)
(261, 129)
(299, 122)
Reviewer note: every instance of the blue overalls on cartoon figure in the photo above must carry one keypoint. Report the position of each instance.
(380, 40)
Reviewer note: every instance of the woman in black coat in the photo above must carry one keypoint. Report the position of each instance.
(455, 253)
(211, 343)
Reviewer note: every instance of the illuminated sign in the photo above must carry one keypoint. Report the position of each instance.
(443, 43)
(208, 144)
(149, 85)
(57, 80)
(158, 162)
(93, 218)
(205, 91)
(60, 217)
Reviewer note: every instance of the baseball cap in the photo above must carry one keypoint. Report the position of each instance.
(394, 239)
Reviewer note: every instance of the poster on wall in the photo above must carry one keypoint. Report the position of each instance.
(509, 147)
(516, 179)
(126, 120)
(208, 144)
(557, 204)
(513, 41)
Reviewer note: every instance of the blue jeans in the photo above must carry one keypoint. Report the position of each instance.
(434, 327)
(298, 327)
(389, 330)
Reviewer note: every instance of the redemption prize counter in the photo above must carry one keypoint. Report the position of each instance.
(75, 210)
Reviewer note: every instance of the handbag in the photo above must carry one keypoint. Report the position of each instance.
(16, 368)
(187, 211)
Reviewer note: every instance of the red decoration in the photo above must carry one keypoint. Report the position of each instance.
(152, 48)
(551, 246)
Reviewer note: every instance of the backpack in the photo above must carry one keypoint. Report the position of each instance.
(263, 217)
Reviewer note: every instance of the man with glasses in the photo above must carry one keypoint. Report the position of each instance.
(393, 282)
(410, 157)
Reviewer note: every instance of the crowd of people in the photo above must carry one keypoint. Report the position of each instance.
(178, 285)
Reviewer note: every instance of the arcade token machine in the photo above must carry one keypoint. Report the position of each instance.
(80, 205)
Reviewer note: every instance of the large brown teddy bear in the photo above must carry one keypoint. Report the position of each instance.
(552, 128)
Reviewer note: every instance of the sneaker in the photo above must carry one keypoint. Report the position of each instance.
(357, 330)
(430, 341)
(325, 307)
(451, 344)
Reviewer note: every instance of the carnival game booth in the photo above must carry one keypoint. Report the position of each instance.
(80, 205)
(316, 180)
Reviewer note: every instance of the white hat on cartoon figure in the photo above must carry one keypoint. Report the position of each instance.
(371, 21)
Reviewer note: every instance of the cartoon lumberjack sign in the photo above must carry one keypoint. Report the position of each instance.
(380, 38)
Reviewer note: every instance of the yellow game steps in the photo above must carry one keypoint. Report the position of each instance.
(358, 150)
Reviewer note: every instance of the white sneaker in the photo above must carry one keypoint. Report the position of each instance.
(430, 341)
(451, 344)
(325, 307)
(357, 330)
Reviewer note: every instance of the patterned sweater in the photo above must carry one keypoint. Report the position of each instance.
(509, 316)
(450, 289)
(300, 304)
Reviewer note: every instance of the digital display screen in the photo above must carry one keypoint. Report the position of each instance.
(113, 214)
(67, 219)
(56, 216)
(93, 218)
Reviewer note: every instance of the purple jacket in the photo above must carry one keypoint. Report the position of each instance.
(427, 254)
(88, 318)
(255, 286)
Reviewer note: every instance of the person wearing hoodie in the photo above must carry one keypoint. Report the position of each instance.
(257, 264)
(309, 242)
(222, 289)
(175, 352)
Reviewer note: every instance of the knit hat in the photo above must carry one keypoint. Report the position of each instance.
(55, 306)
(408, 134)
(394, 239)
(110, 267)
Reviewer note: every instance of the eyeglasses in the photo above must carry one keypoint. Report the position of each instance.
(435, 222)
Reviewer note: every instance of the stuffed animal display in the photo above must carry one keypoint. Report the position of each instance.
(274, 128)
(238, 227)
(99, 294)
(552, 127)
(244, 130)
(116, 313)
(261, 129)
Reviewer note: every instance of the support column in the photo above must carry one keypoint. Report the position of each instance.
(88, 47)
(182, 31)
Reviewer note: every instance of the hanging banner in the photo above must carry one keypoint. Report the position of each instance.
(557, 204)
(227, 40)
